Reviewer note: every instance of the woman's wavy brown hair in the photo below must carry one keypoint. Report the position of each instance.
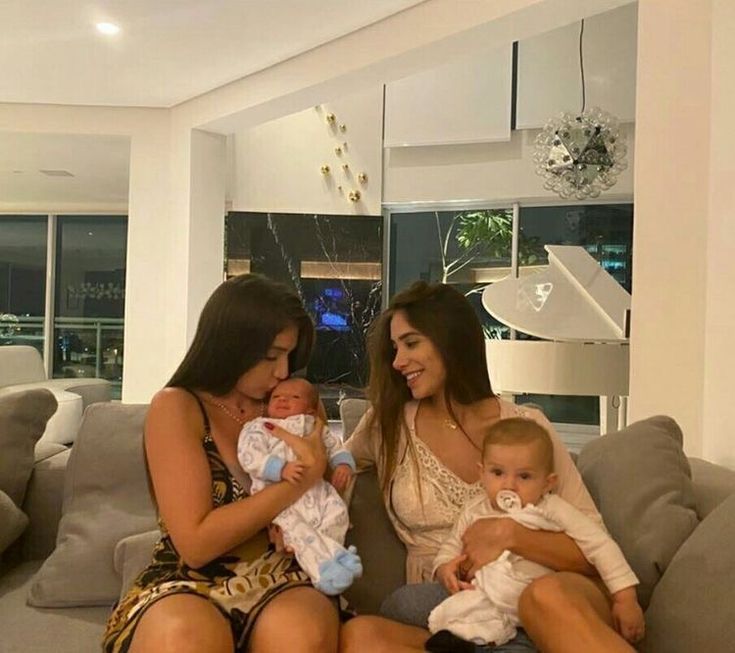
(237, 327)
(447, 318)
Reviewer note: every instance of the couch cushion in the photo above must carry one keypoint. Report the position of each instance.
(640, 480)
(691, 608)
(106, 499)
(351, 411)
(383, 554)
(43, 505)
(133, 554)
(20, 364)
(23, 417)
(12, 521)
(712, 485)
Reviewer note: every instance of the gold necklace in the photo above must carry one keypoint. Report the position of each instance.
(450, 424)
(237, 418)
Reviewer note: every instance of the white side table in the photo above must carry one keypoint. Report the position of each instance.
(64, 423)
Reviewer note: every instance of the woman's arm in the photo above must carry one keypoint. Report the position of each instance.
(364, 443)
(182, 483)
(486, 539)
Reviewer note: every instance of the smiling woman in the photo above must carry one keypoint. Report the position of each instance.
(432, 403)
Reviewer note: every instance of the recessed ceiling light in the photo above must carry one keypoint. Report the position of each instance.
(107, 28)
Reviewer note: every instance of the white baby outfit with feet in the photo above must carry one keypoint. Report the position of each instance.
(489, 612)
(316, 524)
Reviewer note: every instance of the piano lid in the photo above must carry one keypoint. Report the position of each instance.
(573, 299)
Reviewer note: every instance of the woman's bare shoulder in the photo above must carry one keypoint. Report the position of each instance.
(174, 407)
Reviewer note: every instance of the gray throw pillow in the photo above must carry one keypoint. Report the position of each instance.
(106, 499)
(13, 521)
(691, 609)
(132, 555)
(641, 482)
(23, 417)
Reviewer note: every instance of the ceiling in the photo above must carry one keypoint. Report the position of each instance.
(167, 51)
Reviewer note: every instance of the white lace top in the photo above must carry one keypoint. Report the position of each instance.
(424, 513)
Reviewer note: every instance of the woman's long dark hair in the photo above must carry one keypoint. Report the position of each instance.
(237, 327)
(445, 317)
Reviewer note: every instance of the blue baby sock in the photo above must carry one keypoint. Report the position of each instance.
(333, 578)
(350, 561)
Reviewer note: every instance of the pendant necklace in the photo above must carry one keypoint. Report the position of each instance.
(237, 418)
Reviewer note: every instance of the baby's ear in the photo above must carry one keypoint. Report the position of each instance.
(551, 481)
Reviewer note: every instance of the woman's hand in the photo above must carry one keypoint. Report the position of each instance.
(449, 574)
(275, 535)
(309, 449)
(484, 541)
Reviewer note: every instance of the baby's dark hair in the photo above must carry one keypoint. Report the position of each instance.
(521, 430)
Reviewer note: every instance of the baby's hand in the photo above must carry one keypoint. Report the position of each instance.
(341, 477)
(628, 616)
(449, 575)
(292, 472)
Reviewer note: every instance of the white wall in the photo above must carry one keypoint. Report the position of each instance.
(277, 164)
(168, 277)
(682, 357)
(494, 172)
(549, 74)
(719, 354)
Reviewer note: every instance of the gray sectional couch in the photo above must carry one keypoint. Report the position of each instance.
(91, 525)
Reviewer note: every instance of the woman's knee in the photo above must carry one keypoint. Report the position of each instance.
(182, 623)
(312, 624)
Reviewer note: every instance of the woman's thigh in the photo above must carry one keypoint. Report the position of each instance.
(370, 634)
(299, 619)
(182, 623)
(411, 604)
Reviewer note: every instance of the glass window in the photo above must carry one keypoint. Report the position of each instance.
(22, 280)
(472, 248)
(334, 263)
(469, 249)
(90, 297)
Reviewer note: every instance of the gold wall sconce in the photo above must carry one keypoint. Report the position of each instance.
(325, 169)
(343, 127)
(355, 195)
(362, 178)
(330, 118)
(338, 151)
(345, 167)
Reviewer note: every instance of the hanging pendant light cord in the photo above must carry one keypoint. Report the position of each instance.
(581, 66)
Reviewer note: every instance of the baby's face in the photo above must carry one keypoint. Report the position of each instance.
(292, 397)
(516, 467)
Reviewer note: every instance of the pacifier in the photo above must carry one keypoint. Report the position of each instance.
(507, 500)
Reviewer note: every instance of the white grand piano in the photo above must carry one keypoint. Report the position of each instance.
(581, 312)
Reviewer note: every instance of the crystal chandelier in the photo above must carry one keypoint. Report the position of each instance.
(580, 156)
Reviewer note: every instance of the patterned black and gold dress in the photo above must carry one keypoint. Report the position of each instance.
(239, 583)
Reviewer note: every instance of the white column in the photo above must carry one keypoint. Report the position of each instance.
(148, 295)
(671, 214)
(206, 222)
(719, 370)
(683, 317)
